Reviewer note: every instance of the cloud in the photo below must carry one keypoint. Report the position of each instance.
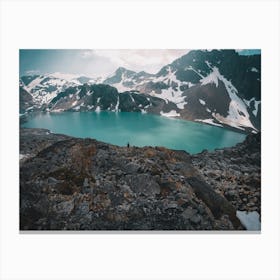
(150, 60)
(95, 63)
(32, 72)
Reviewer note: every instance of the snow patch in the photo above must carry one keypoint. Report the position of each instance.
(57, 110)
(209, 121)
(170, 114)
(132, 99)
(191, 68)
(250, 220)
(120, 87)
(202, 102)
(255, 111)
(118, 104)
(247, 102)
(173, 96)
(212, 78)
(254, 69)
(22, 156)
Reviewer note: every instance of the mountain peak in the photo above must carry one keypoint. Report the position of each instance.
(121, 70)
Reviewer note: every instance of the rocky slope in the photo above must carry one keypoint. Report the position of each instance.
(218, 87)
(103, 97)
(81, 184)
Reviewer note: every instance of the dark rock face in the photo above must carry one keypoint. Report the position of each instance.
(216, 98)
(235, 173)
(81, 184)
(106, 98)
(25, 101)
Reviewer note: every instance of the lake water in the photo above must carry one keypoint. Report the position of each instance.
(137, 129)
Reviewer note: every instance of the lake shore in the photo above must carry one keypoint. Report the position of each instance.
(71, 183)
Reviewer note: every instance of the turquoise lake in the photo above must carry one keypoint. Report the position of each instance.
(137, 129)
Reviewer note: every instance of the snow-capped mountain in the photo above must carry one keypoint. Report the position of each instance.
(218, 87)
(43, 88)
(124, 80)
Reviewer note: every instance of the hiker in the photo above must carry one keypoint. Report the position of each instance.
(128, 145)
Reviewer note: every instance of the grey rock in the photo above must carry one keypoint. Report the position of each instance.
(125, 188)
(195, 219)
(189, 213)
(64, 207)
(144, 183)
(132, 168)
(52, 180)
(170, 205)
(86, 183)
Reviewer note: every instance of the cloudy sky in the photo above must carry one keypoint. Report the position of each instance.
(95, 63)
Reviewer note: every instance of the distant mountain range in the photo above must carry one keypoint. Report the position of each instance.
(217, 87)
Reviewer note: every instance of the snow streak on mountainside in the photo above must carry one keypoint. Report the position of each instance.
(218, 87)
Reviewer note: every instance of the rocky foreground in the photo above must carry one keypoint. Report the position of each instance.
(69, 183)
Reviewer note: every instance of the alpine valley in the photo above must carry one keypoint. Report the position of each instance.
(88, 168)
(217, 87)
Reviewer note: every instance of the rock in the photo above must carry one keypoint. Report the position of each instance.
(172, 204)
(101, 201)
(182, 202)
(52, 180)
(64, 207)
(143, 183)
(108, 186)
(195, 219)
(82, 209)
(213, 200)
(231, 194)
(189, 213)
(132, 168)
(125, 188)
(86, 184)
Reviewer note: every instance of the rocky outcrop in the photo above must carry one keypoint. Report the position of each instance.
(234, 173)
(70, 183)
(25, 100)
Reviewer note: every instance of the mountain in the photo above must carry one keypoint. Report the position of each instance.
(43, 88)
(100, 97)
(26, 99)
(125, 80)
(217, 87)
